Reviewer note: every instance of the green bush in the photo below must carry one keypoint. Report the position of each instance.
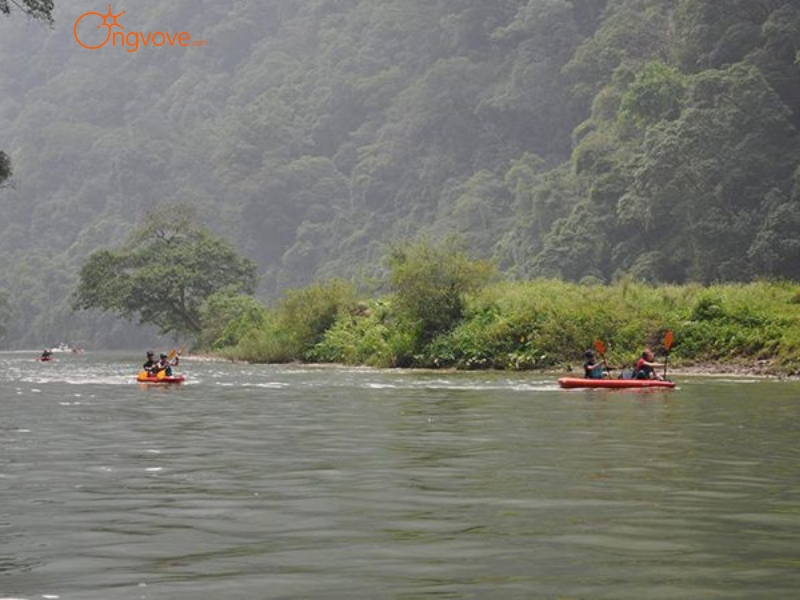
(267, 344)
(431, 283)
(533, 325)
(227, 317)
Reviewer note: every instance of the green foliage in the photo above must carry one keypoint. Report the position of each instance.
(5, 317)
(267, 343)
(712, 34)
(307, 313)
(298, 323)
(431, 283)
(547, 324)
(655, 95)
(586, 139)
(632, 31)
(366, 336)
(733, 322)
(167, 271)
(227, 317)
(37, 9)
(775, 250)
(5, 167)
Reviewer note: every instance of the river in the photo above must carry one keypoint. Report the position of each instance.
(289, 482)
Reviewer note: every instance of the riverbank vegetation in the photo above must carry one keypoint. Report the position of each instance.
(443, 310)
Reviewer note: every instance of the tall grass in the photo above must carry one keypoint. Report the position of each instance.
(543, 324)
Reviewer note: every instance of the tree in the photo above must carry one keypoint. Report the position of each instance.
(655, 95)
(775, 251)
(702, 180)
(5, 316)
(431, 283)
(227, 317)
(164, 274)
(5, 167)
(37, 9)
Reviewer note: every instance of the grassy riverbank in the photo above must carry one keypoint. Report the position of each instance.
(542, 324)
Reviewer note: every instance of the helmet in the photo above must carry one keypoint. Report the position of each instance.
(163, 355)
(149, 353)
(588, 354)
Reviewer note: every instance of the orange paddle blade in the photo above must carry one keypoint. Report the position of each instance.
(142, 374)
(600, 346)
(668, 341)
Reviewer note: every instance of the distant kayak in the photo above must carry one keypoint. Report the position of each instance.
(154, 379)
(578, 382)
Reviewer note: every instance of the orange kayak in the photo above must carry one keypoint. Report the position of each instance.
(579, 382)
(154, 379)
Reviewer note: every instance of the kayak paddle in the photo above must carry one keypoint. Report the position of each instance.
(600, 347)
(667, 345)
(601, 350)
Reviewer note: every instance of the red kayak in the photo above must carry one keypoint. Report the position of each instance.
(154, 379)
(579, 382)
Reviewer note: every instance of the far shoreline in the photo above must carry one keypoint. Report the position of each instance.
(760, 369)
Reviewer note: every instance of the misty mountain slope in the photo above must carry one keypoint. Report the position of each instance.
(576, 139)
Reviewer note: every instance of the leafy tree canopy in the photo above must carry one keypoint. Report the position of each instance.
(431, 282)
(164, 274)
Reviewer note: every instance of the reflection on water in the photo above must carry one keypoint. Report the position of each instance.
(292, 482)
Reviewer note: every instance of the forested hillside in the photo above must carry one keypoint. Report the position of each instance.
(580, 139)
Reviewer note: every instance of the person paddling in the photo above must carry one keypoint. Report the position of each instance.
(164, 365)
(646, 366)
(591, 368)
(150, 363)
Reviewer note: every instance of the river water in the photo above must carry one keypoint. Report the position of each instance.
(291, 482)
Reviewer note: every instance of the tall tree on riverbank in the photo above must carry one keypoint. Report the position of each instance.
(164, 274)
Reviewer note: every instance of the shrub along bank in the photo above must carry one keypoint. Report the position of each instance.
(447, 322)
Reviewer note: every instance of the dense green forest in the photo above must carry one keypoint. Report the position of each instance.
(586, 140)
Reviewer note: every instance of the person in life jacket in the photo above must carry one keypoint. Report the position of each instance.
(164, 365)
(646, 366)
(591, 369)
(150, 363)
